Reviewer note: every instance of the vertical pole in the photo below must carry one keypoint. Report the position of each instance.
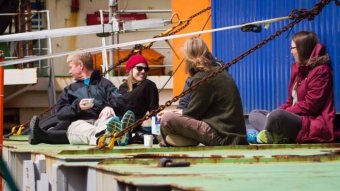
(104, 54)
(21, 26)
(28, 18)
(1, 108)
(111, 39)
(52, 97)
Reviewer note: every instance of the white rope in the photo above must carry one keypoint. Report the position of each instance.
(97, 49)
(85, 30)
(71, 31)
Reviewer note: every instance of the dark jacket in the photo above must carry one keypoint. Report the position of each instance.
(184, 101)
(99, 88)
(315, 104)
(218, 103)
(144, 97)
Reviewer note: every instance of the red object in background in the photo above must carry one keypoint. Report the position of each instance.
(131, 16)
(94, 19)
(2, 56)
(75, 5)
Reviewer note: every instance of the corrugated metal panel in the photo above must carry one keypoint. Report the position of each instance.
(263, 76)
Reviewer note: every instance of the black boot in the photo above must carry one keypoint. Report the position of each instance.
(36, 135)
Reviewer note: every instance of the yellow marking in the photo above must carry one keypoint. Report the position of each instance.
(112, 141)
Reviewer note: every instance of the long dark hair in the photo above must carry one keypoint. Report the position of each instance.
(305, 42)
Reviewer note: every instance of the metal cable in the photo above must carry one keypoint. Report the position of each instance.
(297, 15)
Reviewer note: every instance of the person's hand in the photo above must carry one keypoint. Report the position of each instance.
(106, 113)
(86, 103)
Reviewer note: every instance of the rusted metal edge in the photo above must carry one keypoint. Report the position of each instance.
(199, 148)
(327, 157)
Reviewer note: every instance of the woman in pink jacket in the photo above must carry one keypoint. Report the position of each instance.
(308, 114)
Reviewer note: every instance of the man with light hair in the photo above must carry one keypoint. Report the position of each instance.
(90, 97)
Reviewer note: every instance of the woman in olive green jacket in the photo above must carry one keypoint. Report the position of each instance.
(214, 115)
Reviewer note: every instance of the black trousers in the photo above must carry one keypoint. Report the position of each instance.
(52, 121)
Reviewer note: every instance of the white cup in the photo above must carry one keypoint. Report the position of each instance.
(148, 141)
(89, 102)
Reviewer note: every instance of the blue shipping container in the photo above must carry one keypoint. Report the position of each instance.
(263, 76)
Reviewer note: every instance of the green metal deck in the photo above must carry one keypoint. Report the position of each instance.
(266, 167)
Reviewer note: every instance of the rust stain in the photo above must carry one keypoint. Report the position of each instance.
(336, 152)
(210, 160)
(169, 155)
(72, 22)
(161, 186)
(216, 156)
(257, 159)
(206, 148)
(332, 156)
(235, 156)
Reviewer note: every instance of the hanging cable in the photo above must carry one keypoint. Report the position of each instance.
(19, 129)
(152, 40)
(180, 63)
(296, 16)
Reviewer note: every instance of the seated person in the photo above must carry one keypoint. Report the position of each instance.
(214, 118)
(139, 95)
(72, 104)
(184, 101)
(308, 114)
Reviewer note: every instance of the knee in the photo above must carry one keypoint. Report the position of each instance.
(257, 116)
(276, 114)
(252, 116)
(166, 118)
(168, 122)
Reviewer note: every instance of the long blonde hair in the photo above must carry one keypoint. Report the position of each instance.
(197, 56)
(130, 81)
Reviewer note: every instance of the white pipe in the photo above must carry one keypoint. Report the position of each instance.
(39, 41)
(146, 11)
(13, 14)
(104, 54)
(53, 33)
(51, 65)
(111, 39)
(96, 49)
(143, 11)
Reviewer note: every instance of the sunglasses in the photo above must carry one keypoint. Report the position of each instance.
(140, 68)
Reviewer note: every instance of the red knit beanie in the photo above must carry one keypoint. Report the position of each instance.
(133, 61)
